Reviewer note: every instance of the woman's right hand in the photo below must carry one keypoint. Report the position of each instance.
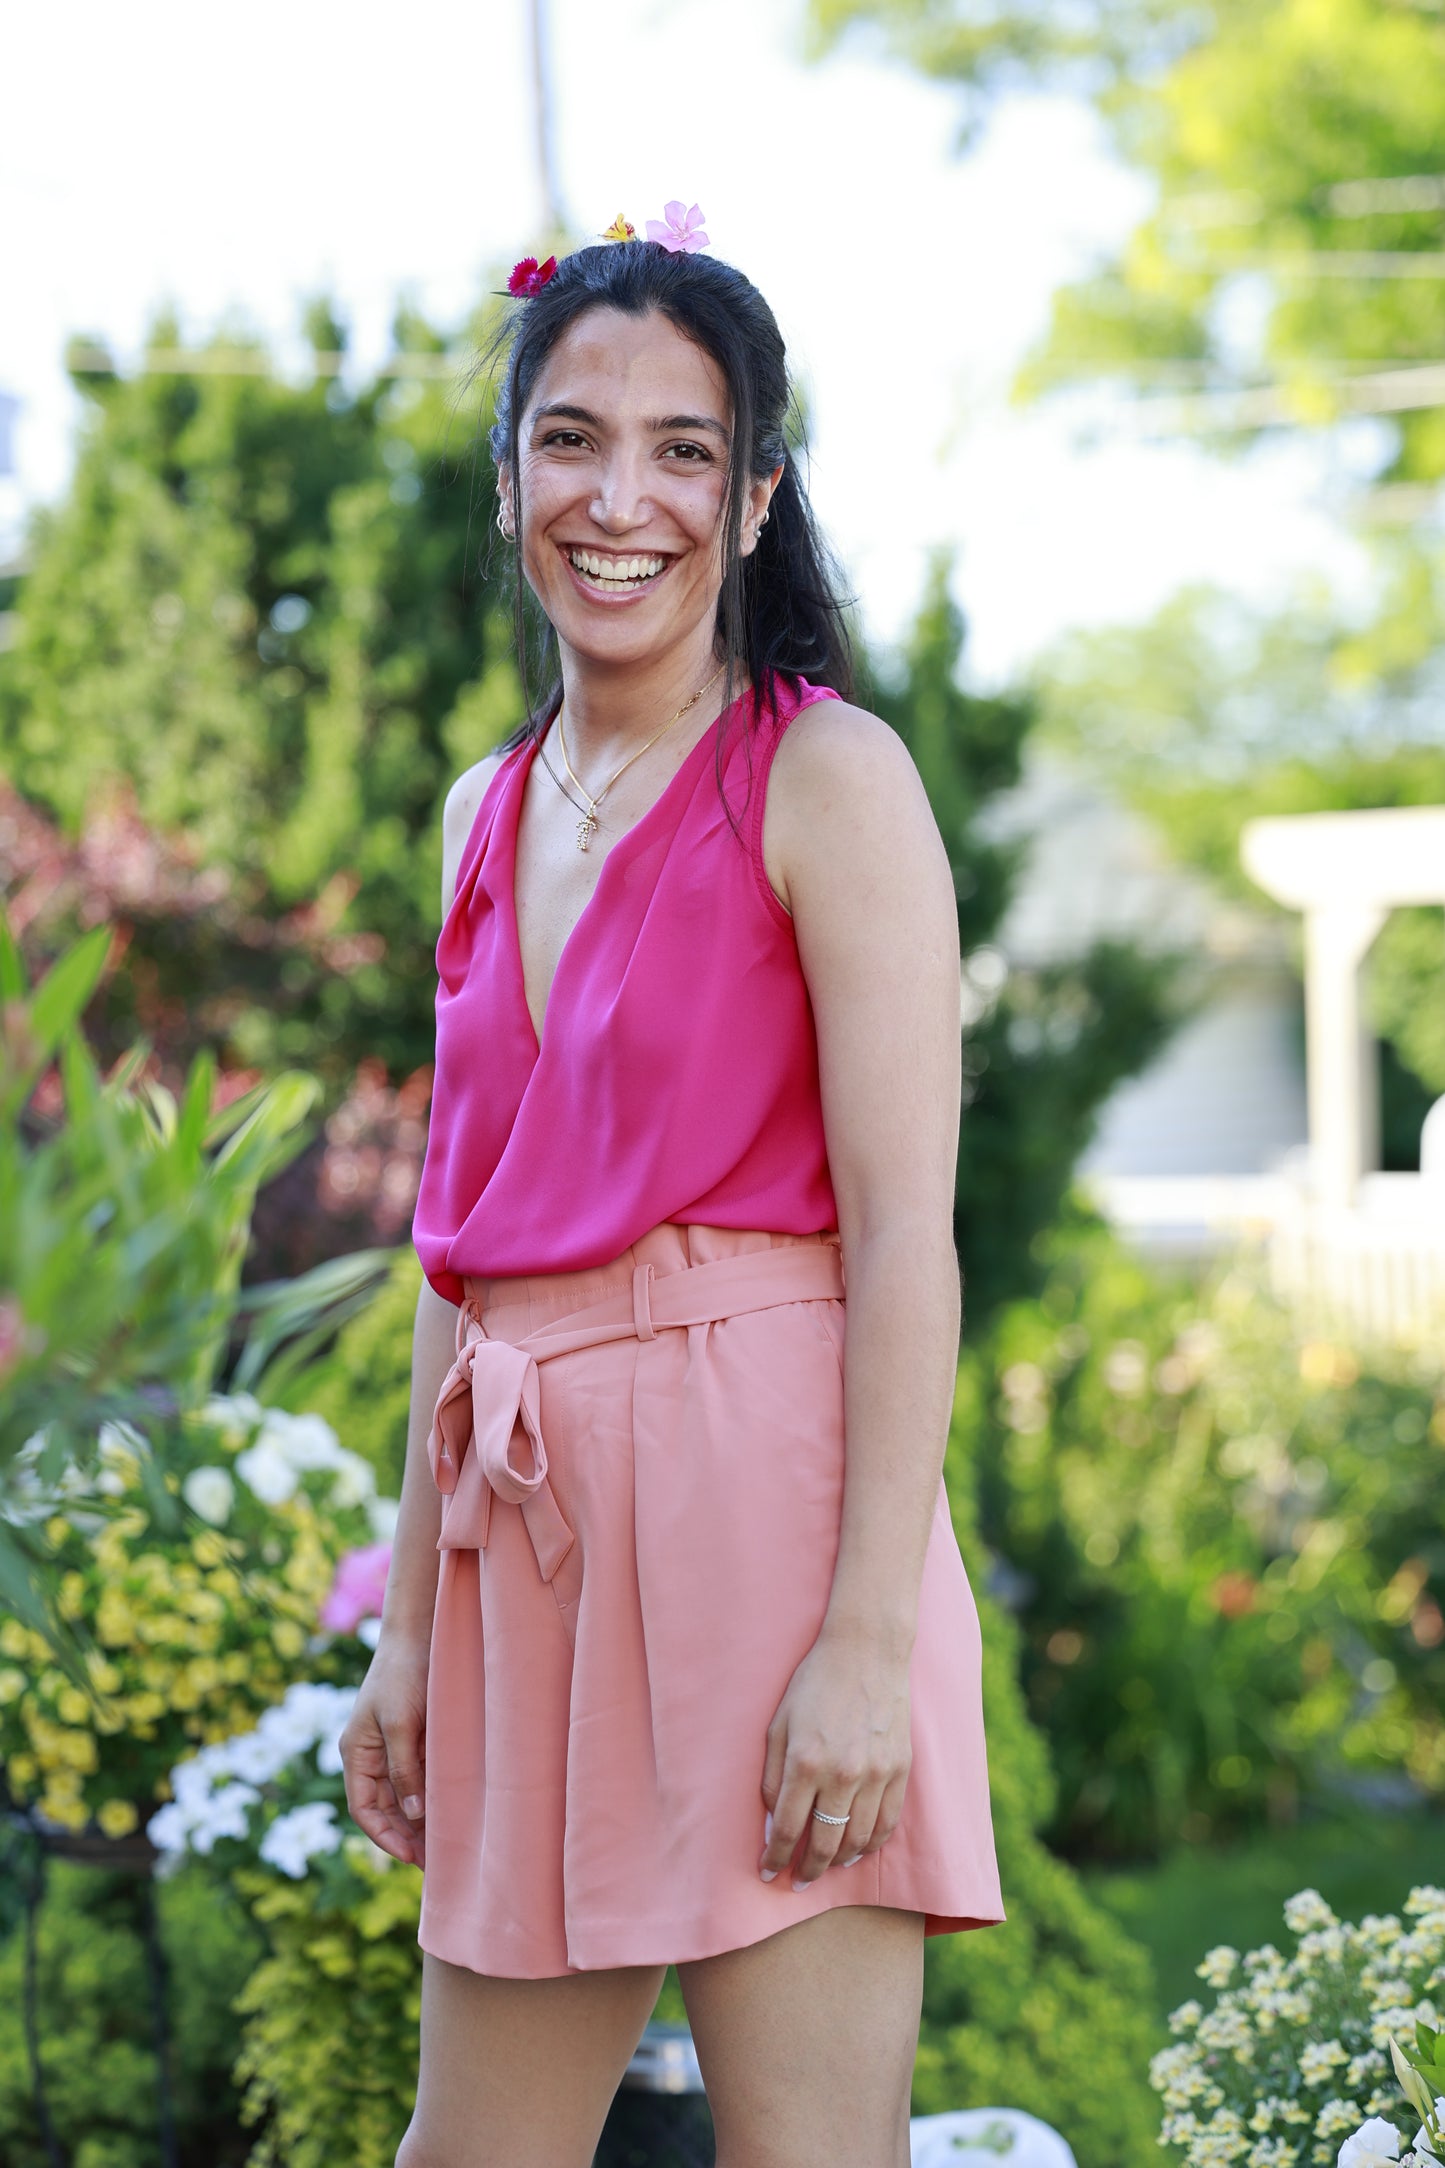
(383, 1751)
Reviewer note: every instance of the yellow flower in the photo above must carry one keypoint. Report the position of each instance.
(22, 1768)
(225, 1583)
(184, 1694)
(204, 1674)
(79, 1751)
(57, 1528)
(235, 1667)
(621, 229)
(145, 1708)
(104, 1675)
(12, 1684)
(70, 1596)
(115, 1621)
(65, 1809)
(73, 1706)
(287, 1637)
(14, 1640)
(117, 1817)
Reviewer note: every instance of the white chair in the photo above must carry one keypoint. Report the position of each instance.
(986, 2138)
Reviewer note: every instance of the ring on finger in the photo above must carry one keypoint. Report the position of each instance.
(835, 1821)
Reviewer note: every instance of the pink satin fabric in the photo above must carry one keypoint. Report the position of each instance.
(642, 1470)
(677, 1077)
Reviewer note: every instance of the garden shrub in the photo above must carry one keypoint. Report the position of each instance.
(1225, 1537)
(333, 2010)
(362, 1387)
(94, 2016)
(1052, 2011)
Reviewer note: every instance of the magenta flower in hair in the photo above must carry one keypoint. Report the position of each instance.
(678, 229)
(529, 277)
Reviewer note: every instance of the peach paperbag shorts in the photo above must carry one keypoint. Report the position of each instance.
(642, 1476)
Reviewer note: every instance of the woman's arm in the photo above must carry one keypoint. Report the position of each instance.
(853, 850)
(383, 1745)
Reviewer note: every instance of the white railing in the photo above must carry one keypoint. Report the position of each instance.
(1375, 1270)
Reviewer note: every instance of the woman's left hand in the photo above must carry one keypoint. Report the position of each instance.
(839, 1742)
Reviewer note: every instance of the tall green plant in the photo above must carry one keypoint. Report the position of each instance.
(124, 1217)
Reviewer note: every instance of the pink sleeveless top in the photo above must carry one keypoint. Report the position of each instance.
(679, 1075)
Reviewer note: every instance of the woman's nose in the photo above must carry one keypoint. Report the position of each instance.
(621, 499)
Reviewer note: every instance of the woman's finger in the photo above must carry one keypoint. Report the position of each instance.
(890, 1808)
(789, 1822)
(862, 1821)
(824, 1837)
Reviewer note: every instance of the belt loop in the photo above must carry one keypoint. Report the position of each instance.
(642, 1302)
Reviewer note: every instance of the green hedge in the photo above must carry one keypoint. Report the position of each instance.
(94, 2020)
(1227, 1531)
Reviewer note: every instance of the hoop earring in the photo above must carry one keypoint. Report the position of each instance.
(503, 529)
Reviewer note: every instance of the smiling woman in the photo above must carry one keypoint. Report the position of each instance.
(679, 1661)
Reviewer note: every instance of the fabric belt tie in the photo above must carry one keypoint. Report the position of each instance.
(486, 1439)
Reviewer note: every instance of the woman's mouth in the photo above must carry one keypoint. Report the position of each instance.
(615, 575)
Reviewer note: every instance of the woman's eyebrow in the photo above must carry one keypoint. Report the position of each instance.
(689, 421)
(561, 412)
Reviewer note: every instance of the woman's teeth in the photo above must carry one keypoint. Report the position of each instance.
(615, 572)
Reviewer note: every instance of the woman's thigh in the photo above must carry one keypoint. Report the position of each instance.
(807, 2040)
(521, 2073)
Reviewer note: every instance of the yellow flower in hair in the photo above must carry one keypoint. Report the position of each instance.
(621, 229)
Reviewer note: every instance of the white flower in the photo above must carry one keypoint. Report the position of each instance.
(1318, 2058)
(355, 1481)
(306, 1441)
(295, 1838)
(1217, 1967)
(267, 1473)
(369, 1632)
(224, 1816)
(211, 1493)
(382, 1514)
(258, 1757)
(169, 1827)
(234, 1414)
(1371, 2146)
(1186, 2017)
(1307, 1909)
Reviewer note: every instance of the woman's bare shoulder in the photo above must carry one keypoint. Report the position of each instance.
(460, 811)
(844, 793)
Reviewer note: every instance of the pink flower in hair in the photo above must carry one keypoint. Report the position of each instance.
(678, 229)
(529, 277)
(357, 1589)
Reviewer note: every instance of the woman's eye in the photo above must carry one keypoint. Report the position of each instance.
(569, 439)
(690, 453)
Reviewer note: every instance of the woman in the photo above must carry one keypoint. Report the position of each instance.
(664, 1675)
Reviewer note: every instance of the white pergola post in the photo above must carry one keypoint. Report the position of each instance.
(1343, 1089)
(1346, 872)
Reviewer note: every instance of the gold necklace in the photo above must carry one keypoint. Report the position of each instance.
(587, 826)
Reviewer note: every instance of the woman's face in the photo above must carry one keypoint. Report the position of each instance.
(623, 452)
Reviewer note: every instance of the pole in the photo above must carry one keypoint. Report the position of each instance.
(542, 117)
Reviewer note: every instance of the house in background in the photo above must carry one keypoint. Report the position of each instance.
(1247, 1127)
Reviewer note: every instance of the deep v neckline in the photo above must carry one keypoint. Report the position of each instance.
(628, 836)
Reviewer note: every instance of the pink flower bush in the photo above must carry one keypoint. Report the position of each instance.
(678, 229)
(357, 1589)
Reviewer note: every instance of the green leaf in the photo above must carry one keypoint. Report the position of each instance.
(1412, 2085)
(62, 994)
(13, 985)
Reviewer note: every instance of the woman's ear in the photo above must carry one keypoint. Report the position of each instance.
(755, 516)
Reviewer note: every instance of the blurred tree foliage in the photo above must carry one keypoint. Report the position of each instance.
(1294, 147)
(258, 607)
(1225, 1545)
(1045, 1045)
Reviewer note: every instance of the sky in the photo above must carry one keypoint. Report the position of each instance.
(230, 164)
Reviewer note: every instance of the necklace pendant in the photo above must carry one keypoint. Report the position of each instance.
(586, 829)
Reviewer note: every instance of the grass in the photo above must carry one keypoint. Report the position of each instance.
(1200, 1896)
